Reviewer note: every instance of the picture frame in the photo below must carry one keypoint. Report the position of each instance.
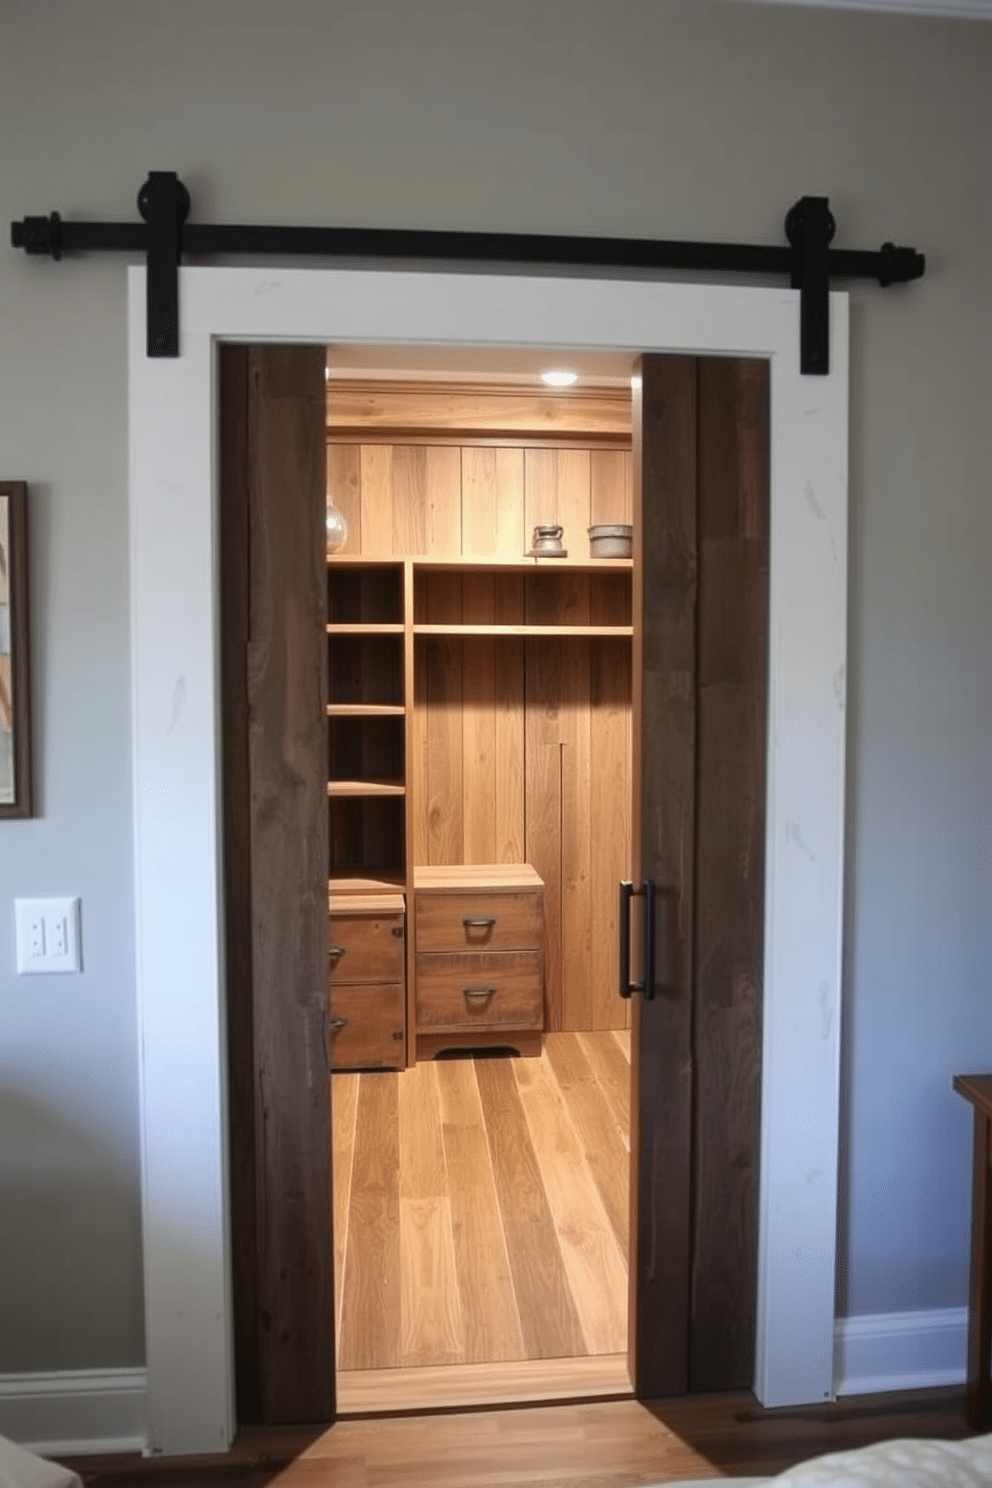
(15, 686)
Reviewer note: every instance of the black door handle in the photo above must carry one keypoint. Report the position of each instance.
(627, 894)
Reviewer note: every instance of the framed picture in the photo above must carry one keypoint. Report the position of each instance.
(15, 689)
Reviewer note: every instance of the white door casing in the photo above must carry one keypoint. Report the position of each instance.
(174, 537)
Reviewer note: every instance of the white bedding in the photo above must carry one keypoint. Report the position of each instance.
(900, 1463)
(22, 1469)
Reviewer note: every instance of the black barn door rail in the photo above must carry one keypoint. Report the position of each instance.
(165, 235)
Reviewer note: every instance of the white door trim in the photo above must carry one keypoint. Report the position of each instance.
(176, 720)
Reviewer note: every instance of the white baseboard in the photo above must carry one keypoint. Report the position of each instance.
(81, 1412)
(900, 1351)
(76, 1413)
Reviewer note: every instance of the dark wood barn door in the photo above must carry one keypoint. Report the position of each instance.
(700, 686)
(701, 524)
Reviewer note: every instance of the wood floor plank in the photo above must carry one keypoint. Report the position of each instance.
(466, 1209)
(594, 1263)
(485, 1282)
(521, 1381)
(369, 1332)
(431, 1324)
(611, 1444)
(612, 1071)
(344, 1110)
(607, 1157)
(548, 1318)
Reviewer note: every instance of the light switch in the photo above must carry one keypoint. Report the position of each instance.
(48, 935)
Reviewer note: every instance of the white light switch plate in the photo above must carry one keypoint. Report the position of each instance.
(48, 938)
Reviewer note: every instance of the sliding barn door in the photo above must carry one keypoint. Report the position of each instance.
(275, 769)
(700, 618)
(701, 536)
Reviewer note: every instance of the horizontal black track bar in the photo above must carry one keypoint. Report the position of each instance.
(516, 248)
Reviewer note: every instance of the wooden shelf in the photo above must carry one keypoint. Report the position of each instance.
(525, 630)
(365, 710)
(366, 788)
(365, 628)
(462, 564)
(523, 565)
(365, 881)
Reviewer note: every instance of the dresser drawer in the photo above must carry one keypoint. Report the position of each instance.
(480, 990)
(365, 947)
(367, 1027)
(486, 920)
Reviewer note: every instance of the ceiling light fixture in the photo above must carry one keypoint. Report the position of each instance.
(559, 379)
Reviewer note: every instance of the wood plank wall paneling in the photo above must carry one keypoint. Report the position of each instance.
(733, 579)
(520, 750)
(493, 502)
(344, 489)
(610, 488)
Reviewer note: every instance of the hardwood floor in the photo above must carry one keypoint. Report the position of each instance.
(402, 1148)
(619, 1444)
(480, 1216)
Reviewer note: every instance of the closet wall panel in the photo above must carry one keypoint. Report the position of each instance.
(520, 746)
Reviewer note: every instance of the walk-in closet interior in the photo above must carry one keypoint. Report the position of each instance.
(479, 808)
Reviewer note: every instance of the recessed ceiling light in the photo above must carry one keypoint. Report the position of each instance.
(559, 378)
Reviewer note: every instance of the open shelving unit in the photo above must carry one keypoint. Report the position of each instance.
(473, 686)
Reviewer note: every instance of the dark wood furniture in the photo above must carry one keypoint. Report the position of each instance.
(978, 1090)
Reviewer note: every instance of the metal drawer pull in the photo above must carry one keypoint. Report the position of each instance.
(479, 994)
(334, 953)
(336, 1025)
(479, 924)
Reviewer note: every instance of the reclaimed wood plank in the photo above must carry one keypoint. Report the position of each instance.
(664, 671)
(287, 748)
(730, 874)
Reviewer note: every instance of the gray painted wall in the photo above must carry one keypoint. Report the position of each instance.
(660, 118)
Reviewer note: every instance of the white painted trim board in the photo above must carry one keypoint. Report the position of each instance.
(178, 884)
(75, 1412)
(901, 1351)
(78, 1413)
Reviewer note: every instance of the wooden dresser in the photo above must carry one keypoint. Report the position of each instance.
(366, 981)
(479, 957)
